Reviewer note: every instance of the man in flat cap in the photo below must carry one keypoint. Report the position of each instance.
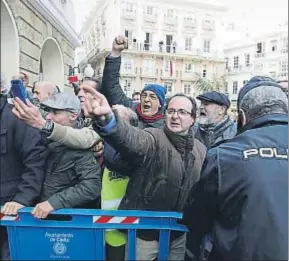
(214, 125)
(73, 176)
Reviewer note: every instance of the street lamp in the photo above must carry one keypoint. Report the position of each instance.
(88, 71)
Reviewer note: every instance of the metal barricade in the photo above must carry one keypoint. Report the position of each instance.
(78, 234)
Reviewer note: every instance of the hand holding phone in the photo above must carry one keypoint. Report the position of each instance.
(18, 90)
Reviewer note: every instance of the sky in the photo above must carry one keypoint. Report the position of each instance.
(257, 15)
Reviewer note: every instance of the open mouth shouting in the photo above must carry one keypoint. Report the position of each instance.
(146, 107)
(203, 113)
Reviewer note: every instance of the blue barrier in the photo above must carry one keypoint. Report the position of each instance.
(80, 233)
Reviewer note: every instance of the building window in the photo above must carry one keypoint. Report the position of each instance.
(226, 87)
(127, 87)
(167, 66)
(188, 68)
(169, 86)
(235, 87)
(148, 66)
(188, 44)
(127, 64)
(274, 45)
(259, 67)
(284, 44)
(284, 68)
(207, 46)
(236, 62)
(204, 71)
(187, 89)
(208, 25)
(227, 63)
(189, 20)
(247, 60)
(149, 10)
(128, 35)
(129, 7)
(170, 13)
(260, 47)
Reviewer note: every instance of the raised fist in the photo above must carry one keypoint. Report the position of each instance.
(120, 43)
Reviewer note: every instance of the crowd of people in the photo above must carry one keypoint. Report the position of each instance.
(100, 149)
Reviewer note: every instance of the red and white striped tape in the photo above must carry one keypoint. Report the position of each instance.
(115, 220)
(8, 218)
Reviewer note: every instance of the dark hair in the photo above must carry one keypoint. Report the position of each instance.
(135, 93)
(192, 100)
(97, 82)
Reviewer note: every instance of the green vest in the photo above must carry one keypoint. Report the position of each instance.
(112, 192)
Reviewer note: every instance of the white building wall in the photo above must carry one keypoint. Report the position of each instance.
(110, 19)
(272, 62)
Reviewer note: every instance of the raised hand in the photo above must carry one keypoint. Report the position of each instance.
(120, 43)
(95, 105)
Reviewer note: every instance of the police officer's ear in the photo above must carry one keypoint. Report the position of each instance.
(242, 120)
(242, 117)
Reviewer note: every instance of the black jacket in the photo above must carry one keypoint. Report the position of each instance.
(243, 194)
(73, 178)
(210, 136)
(112, 90)
(22, 159)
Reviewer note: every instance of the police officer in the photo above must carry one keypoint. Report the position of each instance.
(214, 125)
(243, 194)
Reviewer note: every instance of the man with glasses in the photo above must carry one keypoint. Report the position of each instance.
(152, 99)
(165, 163)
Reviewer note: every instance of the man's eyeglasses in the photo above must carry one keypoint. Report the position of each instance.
(180, 112)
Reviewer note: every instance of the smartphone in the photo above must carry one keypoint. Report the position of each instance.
(18, 90)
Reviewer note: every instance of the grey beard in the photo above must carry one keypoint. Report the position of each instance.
(204, 120)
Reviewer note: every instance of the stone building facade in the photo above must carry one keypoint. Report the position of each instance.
(38, 38)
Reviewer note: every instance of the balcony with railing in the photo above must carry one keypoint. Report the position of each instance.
(209, 27)
(129, 15)
(170, 20)
(147, 72)
(190, 24)
(260, 55)
(127, 71)
(189, 76)
(239, 69)
(150, 18)
(162, 49)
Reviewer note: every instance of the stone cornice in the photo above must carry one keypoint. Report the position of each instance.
(47, 9)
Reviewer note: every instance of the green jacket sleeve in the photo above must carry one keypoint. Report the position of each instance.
(83, 138)
(87, 189)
